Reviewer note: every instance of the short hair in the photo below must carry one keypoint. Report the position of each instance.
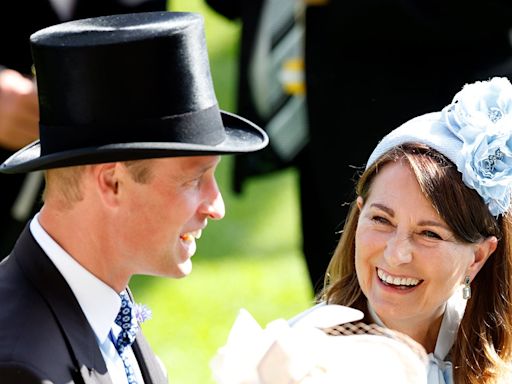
(66, 182)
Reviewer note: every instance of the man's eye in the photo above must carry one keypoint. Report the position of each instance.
(193, 182)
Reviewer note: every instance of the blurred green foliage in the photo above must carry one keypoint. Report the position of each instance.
(251, 259)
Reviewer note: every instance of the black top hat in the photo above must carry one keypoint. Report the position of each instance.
(128, 87)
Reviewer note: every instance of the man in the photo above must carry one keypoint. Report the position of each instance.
(130, 184)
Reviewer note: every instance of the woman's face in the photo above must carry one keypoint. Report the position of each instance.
(407, 259)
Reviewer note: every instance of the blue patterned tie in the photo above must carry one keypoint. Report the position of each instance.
(129, 327)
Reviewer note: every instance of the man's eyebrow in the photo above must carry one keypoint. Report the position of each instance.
(209, 165)
(203, 168)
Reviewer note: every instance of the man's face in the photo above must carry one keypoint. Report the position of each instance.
(160, 220)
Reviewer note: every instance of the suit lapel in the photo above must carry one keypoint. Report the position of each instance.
(78, 334)
(151, 368)
(90, 376)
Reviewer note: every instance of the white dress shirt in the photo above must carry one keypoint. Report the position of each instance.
(99, 302)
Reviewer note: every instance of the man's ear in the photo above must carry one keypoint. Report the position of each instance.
(483, 250)
(106, 180)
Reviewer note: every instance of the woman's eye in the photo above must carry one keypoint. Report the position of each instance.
(380, 220)
(431, 235)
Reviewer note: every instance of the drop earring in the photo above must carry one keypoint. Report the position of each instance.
(466, 291)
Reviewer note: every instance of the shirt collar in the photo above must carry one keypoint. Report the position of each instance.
(99, 302)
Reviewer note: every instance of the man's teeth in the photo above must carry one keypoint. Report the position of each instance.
(191, 235)
(396, 280)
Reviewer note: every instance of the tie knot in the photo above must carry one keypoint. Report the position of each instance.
(128, 323)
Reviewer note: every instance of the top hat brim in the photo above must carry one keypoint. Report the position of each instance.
(242, 136)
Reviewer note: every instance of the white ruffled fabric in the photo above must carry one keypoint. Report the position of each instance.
(304, 354)
(278, 353)
(440, 369)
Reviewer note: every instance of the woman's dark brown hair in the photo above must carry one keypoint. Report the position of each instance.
(483, 347)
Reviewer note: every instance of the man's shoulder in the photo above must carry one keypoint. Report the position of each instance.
(29, 332)
(31, 341)
(25, 316)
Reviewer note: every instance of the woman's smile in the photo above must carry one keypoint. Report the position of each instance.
(401, 282)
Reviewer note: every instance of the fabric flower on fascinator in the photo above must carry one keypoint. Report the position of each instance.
(481, 117)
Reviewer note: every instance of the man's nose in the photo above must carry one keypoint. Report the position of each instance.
(215, 209)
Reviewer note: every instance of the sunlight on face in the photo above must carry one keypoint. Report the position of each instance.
(408, 262)
(163, 218)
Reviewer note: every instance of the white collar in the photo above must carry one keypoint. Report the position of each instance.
(99, 302)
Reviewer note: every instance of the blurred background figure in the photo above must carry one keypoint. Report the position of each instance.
(270, 79)
(19, 113)
(271, 88)
(369, 66)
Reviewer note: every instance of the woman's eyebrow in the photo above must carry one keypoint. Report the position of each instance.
(391, 212)
(384, 208)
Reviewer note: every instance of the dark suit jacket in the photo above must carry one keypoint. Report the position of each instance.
(44, 335)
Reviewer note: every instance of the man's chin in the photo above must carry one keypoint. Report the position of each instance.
(184, 269)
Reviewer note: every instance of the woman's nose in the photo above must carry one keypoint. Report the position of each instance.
(398, 250)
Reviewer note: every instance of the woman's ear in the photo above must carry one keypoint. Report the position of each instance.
(359, 202)
(483, 250)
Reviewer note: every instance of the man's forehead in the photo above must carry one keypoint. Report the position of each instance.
(199, 163)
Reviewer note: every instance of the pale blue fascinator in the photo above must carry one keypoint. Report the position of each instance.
(475, 133)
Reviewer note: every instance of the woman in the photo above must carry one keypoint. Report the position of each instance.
(426, 249)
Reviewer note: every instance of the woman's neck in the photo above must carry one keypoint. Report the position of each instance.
(423, 331)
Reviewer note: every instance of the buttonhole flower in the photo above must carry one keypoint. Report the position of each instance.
(142, 312)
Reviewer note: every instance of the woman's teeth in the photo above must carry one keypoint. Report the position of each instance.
(409, 281)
